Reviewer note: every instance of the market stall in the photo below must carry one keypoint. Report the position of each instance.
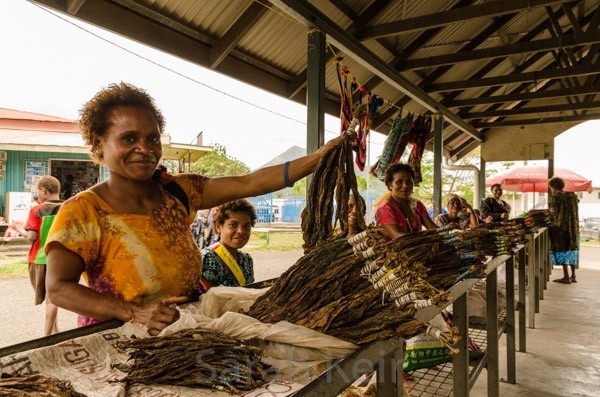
(94, 353)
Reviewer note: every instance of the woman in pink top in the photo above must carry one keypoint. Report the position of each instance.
(400, 213)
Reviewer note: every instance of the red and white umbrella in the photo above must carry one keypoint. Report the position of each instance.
(534, 178)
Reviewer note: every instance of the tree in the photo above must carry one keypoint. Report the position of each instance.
(459, 182)
(219, 163)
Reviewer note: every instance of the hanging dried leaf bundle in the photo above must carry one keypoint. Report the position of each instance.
(333, 177)
(36, 385)
(196, 358)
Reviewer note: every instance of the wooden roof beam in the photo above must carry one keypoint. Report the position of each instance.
(527, 77)
(236, 32)
(463, 150)
(527, 96)
(562, 108)
(311, 17)
(541, 120)
(505, 51)
(456, 15)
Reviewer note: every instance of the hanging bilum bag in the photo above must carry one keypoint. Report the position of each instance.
(396, 137)
(364, 127)
(418, 137)
(405, 143)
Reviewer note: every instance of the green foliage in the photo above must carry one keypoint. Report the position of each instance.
(362, 183)
(219, 163)
(299, 189)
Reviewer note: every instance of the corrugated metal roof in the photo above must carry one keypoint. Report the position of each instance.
(41, 138)
(12, 114)
(433, 47)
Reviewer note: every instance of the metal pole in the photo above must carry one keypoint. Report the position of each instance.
(509, 323)
(315, 92)
(438, 144)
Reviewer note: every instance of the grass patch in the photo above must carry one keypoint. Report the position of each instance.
(274, 241)
(13, 268)
(590, 243)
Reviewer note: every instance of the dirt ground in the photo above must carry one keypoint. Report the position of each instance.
(21, 320)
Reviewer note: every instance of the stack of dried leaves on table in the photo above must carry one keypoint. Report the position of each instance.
(36, 385)
(196, 358)
(367, 288)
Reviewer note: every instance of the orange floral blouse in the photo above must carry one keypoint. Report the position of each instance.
(133, 257)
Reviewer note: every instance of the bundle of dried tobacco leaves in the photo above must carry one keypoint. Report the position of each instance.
(36, 385)
(367, 288)
(196, 358)
(334, 178)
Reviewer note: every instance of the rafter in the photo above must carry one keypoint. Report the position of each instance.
(544, 120)
(527, 96)
(562, 108)
(237, 31)
(488, 9)
(528, 77)
(504, 51)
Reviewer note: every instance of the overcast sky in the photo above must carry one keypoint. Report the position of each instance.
(52, 64)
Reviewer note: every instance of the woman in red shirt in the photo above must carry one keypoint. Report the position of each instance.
(400, 213)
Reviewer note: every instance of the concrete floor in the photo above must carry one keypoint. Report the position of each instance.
(563, 351)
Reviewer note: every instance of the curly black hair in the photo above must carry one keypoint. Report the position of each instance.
(556, 183)
(221, 213)
(95, 114)
(394, 169)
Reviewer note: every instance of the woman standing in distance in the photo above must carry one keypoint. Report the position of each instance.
(564, 233)
(400, 213)
(129, 235)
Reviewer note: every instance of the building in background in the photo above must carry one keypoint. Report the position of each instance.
(33, 145)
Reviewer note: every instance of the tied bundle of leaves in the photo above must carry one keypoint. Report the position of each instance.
(367, 288)
(196, 358)
(536, 219)
(333, 178)
(326, 290)
(36, 385)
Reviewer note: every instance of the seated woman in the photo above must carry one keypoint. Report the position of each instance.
(495, 209)
(457, 206)
(223, 263)
(354, 226)
(399, 213)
